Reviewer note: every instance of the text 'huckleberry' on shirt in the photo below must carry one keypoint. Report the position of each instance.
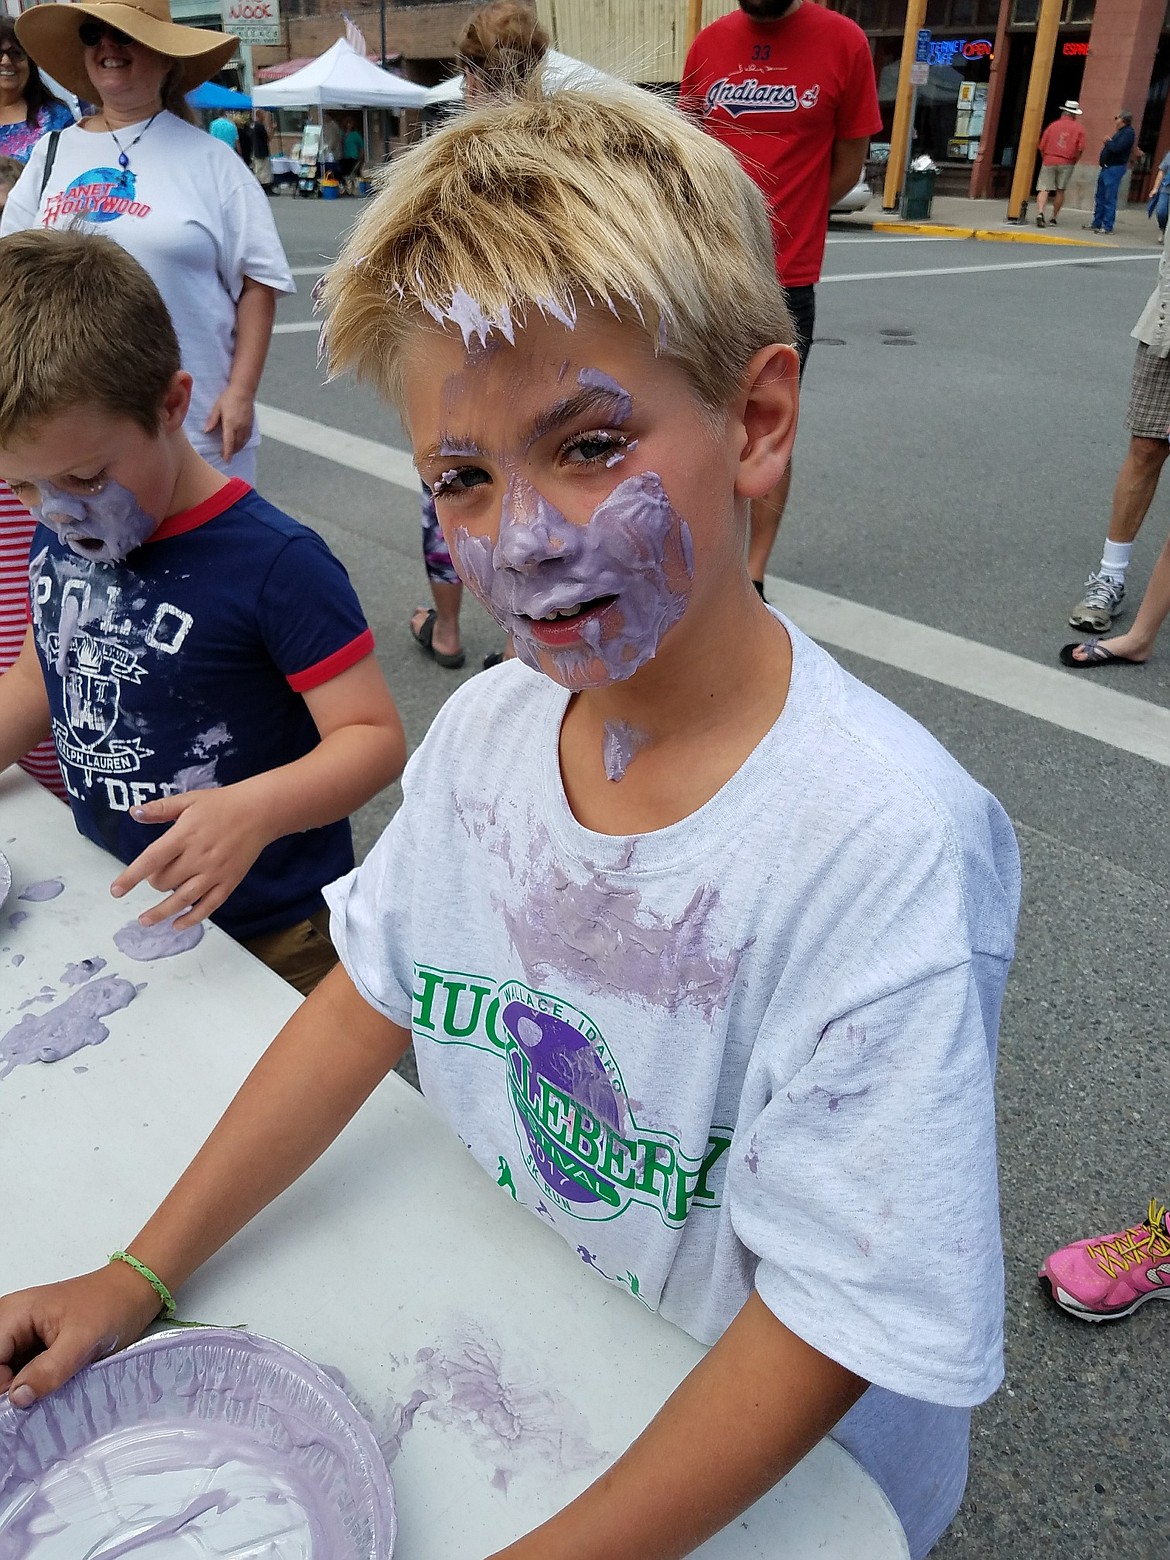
(183, 668)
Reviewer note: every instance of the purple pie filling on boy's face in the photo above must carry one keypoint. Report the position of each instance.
(105, 525)
(562, 467)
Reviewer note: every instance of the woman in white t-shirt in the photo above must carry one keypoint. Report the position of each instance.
(184, 205)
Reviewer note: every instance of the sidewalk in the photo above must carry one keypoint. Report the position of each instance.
(953, 216)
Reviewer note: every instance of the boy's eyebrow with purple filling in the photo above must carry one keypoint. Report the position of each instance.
(611, 406)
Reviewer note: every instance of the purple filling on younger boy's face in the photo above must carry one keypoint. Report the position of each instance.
(104, 527)
(635, 548)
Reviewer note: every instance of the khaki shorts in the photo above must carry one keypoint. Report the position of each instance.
(302, 954)
(1055, 176)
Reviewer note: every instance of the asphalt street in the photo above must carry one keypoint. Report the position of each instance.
(960, 433)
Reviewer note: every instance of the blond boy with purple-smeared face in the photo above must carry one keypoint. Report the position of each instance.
(700, 942)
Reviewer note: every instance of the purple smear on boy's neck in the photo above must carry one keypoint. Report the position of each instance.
(146, 943)
(62, 1030)
(85, 969)
(38, 893)
(634, 547)
(102, 527)
(597, 379)
(621, 744)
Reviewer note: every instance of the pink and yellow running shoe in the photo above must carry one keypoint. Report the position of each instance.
(1108, 1276)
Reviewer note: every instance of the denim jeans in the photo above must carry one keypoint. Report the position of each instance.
(1105, 206)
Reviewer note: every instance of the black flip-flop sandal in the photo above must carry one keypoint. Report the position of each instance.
(423, 637)
(1095, 655)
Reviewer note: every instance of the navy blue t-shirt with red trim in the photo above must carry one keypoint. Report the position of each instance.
(183, 668)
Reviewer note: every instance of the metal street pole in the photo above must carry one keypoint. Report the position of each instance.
(900, 137)
(1046, 29)
(382, 32)
(694, 21)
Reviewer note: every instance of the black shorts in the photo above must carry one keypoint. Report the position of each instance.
(802, 306)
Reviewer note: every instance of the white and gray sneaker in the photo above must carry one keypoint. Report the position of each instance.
(1099, 605)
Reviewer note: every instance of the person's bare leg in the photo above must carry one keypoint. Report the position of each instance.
(447, 599)
(767, 513)
(1057, 203)
(1041, 202)
(1138, 640)
(1137, 482)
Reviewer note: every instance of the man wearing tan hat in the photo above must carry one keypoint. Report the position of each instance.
(1061, 147)
(184, 205)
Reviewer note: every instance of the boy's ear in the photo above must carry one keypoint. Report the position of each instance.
(768, 411)
(176, 401)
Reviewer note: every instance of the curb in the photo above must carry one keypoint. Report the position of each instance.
(987, 235)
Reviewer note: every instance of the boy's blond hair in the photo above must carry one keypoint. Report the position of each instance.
(502, 43)
(80, 323)
(550, 203)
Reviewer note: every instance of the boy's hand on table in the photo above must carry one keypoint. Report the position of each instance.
(48, 1334)
(214, 840)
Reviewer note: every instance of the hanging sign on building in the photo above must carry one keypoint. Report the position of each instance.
(253, 21)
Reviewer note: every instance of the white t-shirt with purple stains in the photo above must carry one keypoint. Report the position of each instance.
(753, 1049)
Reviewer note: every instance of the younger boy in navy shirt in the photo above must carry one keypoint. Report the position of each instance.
(200, 658)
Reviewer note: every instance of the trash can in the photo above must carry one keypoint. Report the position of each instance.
(918, 194)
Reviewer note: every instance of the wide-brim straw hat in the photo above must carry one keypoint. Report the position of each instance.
(49, 34)
(1071, 107)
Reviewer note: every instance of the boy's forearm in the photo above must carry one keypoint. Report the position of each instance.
(748, 1412)
(341, 774)
(319, 1070)
(24, 708)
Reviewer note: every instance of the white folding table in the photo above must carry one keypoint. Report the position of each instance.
(394, 1243)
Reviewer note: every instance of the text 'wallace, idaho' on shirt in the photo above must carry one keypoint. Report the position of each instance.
(183, 668)
(779, 94)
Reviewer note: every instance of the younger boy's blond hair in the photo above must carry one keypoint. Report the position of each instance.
(550, 202)
(80, 323)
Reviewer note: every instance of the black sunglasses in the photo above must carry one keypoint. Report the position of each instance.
(14, 52)
(92, 33)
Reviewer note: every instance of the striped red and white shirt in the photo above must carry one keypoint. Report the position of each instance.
(16, 529)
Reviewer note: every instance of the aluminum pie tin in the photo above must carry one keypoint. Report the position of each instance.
(213, 1444)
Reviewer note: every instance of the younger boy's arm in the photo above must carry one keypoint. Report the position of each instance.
(748, 1412)
(24, 705)
(217, 835)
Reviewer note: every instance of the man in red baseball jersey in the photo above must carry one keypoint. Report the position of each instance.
(790, 88)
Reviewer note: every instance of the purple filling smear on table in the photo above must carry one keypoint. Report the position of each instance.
(609, 940)
(16, 960)
(85, 969)
(38, 893)
(621, 743)
(62, 1030)
(516, 1424)
(634, 547)
(146, 943)
(598, 379)
(18, 918)
(102, 527)
(45, 994)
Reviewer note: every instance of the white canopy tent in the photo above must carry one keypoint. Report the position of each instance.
(559, 70)
(341, 78)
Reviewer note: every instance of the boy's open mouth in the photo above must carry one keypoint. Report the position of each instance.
(561, 627)
(92, 544)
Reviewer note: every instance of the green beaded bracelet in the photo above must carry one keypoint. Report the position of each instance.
(165, 1297)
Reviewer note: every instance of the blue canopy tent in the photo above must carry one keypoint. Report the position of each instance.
(210, 95)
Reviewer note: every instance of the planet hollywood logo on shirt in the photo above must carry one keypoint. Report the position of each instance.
(99, 195)
(756, 97)
(574, 1121)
